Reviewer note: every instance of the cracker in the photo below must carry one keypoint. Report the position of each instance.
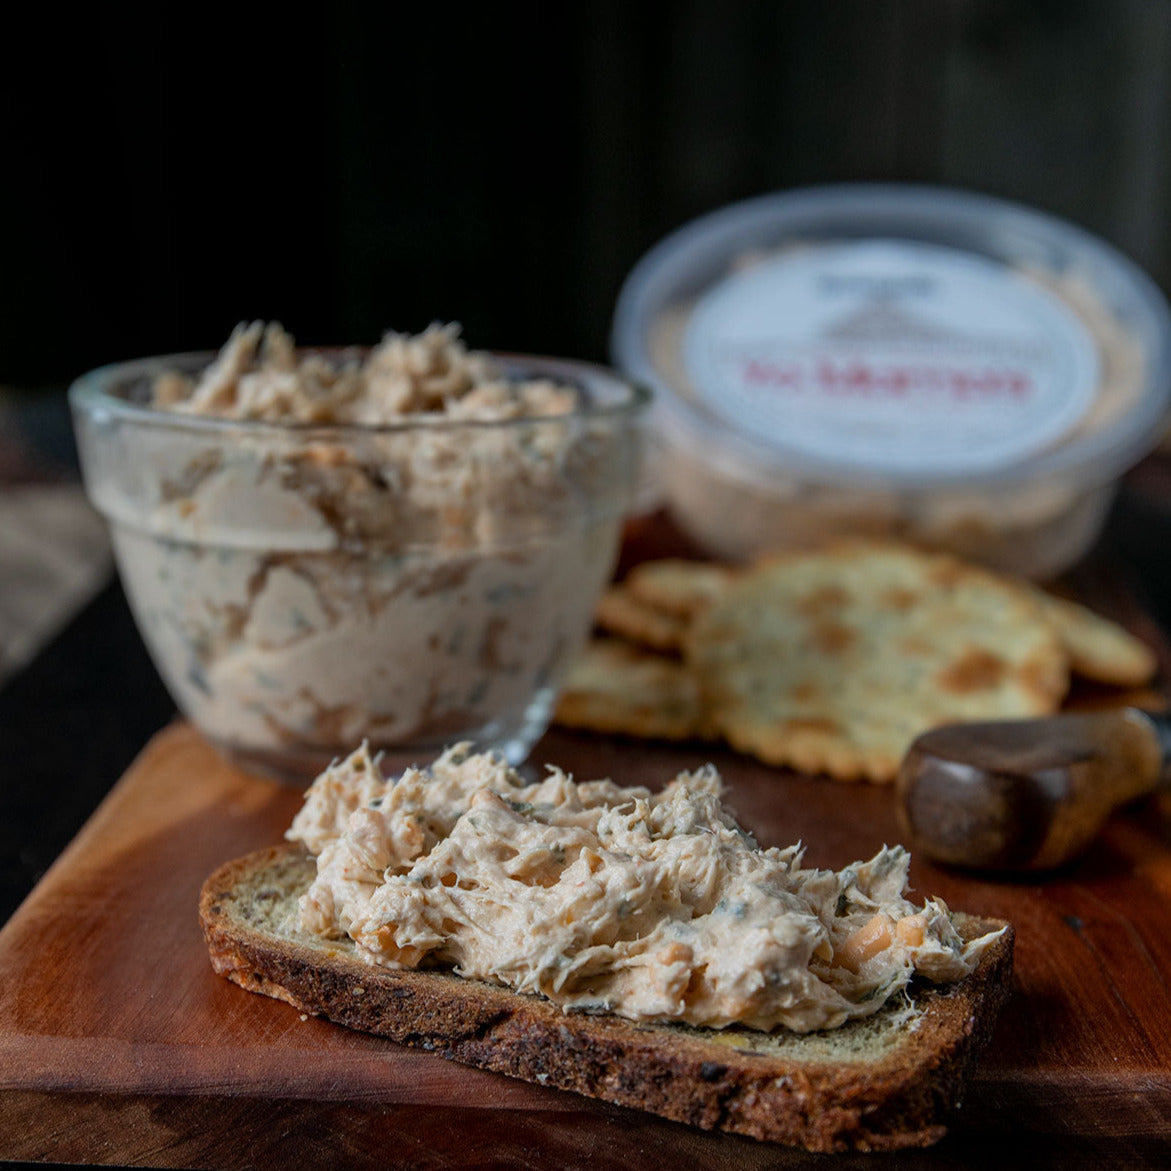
(619, 612)
(618, 688)
(1098, 649)
(833, 662)
(675, 586)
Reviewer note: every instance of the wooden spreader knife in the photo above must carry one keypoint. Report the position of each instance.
(1027, 794)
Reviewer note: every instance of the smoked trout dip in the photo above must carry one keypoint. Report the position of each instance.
(652, 906)
(401, 544)
(259, 375)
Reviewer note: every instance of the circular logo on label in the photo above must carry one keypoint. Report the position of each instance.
(891, 356)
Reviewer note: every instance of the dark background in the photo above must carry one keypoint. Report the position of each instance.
(504, 165)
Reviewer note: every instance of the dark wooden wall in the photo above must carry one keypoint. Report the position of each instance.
(506, 164)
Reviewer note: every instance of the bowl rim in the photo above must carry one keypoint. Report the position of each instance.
(93, 393)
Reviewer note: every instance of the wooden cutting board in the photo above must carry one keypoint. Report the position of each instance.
(118, 1043)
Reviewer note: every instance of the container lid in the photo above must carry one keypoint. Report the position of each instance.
(902, 335)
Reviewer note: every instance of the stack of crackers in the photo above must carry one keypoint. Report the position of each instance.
(833, 661)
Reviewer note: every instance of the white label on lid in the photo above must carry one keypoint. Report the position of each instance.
(891, 356)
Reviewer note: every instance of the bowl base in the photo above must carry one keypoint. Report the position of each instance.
(300, 765)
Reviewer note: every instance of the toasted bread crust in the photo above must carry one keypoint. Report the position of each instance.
(784, 1089)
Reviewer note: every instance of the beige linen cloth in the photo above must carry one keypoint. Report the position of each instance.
(54, 556)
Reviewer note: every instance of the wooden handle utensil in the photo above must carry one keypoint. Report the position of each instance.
(1027, 794)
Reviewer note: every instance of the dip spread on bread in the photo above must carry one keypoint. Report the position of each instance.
(652, 906)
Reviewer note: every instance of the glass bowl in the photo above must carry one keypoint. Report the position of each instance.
(301, 588)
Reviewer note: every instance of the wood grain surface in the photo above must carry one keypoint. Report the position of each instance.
(118, 1044)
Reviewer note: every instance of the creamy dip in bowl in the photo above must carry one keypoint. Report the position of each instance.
(402, 544)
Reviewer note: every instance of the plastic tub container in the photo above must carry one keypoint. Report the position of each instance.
(901, 361)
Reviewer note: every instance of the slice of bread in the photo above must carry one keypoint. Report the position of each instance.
(881, 1083)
